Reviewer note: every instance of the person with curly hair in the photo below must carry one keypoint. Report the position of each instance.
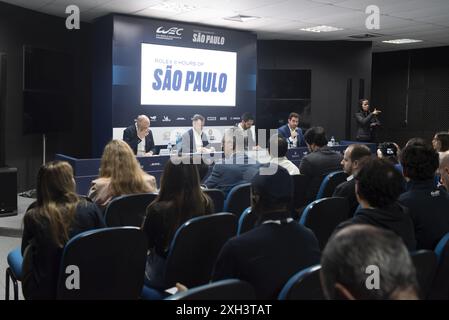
(428, 205)
(378, 187)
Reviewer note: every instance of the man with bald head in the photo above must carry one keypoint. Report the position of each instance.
(139, 137)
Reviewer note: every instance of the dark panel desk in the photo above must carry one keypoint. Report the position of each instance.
(86, 170)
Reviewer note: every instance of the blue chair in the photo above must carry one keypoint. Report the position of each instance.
(238, 199)
(324, 215)
(329, 183)
(193, 251)
(247, 221)
(229, 289)
(305, 285)
(425, 262)
(440, 286)
(111, 264)
(14, 272)
(128, 210)
(14, 269)
(218, 197)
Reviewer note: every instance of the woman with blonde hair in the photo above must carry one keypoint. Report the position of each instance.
(56, 216)
(120, 173)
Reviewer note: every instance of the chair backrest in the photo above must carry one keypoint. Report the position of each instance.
(329, 183)
(128, 210)
(218, 197)
(300, 183)
(425, 262)
(247, 221)
(440, 286)
(196, 246)
(229, 289)
(305, 285)
(110, 264)
(238, 199)
(324, 215)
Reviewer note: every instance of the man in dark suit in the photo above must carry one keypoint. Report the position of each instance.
(236, 168)
(139, 137)
(291, 132)
(195, 140)
(352, 162)
(277, 248)
(321, 160)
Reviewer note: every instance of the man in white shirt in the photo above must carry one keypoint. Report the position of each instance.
(279, 157)
(195, 140)
(244, 130)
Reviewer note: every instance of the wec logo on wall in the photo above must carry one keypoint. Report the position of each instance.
(169, 34)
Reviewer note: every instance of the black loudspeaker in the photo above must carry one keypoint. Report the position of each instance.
(8, 192)
(2, 108)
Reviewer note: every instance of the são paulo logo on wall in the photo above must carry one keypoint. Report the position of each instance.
(166, 33)
(208, 37)
(153, 118)
(166, 119)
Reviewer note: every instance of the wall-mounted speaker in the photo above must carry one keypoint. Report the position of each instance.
(2, 108)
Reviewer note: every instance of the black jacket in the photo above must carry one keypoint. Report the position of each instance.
(395, 218)
(367, 123)
(429, 209)
(316, 166)
(131, 138)
(346, 190)
(42, 279)
(268, 255)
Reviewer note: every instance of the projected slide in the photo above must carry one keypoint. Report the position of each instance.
(186, 76)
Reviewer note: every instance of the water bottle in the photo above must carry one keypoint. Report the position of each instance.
(169, 147)
(332, 141)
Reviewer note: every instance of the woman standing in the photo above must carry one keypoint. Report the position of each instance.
(367, 122)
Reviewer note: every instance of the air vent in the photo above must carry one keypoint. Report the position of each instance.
(366, 35)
